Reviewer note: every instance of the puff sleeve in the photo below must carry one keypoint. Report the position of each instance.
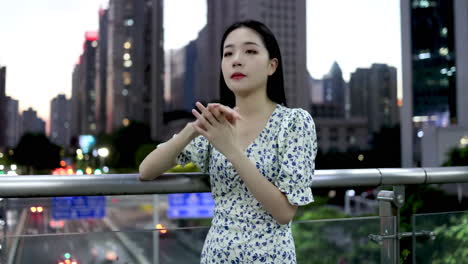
(198, 152)
(297, 149)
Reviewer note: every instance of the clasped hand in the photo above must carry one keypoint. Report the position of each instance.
(217, 123)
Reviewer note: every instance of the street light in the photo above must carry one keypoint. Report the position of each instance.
(103, 153)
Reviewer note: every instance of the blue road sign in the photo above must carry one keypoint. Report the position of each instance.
(190, 205)
(78, 207)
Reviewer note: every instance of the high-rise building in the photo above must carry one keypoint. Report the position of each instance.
(316, 90)
(60, 120)
(13, 124)
(182, 71)
(154, 101)
(124, 74)
(177, 78)
(333, 89)
(2, 81)
(83, 101)
(373, 94)
(434, 56)
(87, 83)
(75, 104)
(358, 90)
(3, 116)
(135, 64)
(286, 19)
(32, 123)
(101, 71)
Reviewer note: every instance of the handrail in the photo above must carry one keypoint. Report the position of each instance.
(129, 184)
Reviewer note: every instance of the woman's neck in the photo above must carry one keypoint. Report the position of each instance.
(254, 106)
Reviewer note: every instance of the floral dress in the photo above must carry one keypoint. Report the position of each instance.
(242, 231)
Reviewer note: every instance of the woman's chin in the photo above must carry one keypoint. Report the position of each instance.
(239, 87)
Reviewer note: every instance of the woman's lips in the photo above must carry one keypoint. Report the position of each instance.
(237, 76)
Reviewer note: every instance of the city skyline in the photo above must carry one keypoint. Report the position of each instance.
(374, 39)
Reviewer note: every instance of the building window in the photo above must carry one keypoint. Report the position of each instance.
(127, 45)
(128, 22)
(127, 79)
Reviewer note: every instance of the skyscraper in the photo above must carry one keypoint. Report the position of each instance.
(88, 82)
(101, 71)
(333, 89)
(125, 63)
(135, 64)
(434, 50)
(183, 81)
(60, 120)
(154, 103)
(358, 88)
(83, 105)
(13, 124)
(31, 123)
(373, 94)
(75, 119)
(3, 116)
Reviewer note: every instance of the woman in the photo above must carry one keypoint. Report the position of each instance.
(260, 155)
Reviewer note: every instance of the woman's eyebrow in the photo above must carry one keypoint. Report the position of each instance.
(245, 43)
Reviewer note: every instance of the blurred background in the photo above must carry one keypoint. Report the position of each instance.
(91, 87)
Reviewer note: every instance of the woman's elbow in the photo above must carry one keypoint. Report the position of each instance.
(144, 174)
(287, 215)
(284, 220)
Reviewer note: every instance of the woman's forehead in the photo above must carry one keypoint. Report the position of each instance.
(243, 36)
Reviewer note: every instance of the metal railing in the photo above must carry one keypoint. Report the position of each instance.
(128, 184)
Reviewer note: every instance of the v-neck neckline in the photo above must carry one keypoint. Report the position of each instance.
(263, 129)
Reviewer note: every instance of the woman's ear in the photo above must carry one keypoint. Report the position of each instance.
(272, 66)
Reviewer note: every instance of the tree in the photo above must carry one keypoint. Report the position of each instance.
(336, 240)
(457, 157)
(450, 244)
(37, 153)
(125, 143)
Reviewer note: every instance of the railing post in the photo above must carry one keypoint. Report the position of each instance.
(389, 204)
(3, 229)
(156, 231)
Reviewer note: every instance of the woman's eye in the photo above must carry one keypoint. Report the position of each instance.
(251, 52)
(227, 54)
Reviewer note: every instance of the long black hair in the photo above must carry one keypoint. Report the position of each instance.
(275, 82)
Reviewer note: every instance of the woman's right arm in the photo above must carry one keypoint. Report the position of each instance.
(163, 157)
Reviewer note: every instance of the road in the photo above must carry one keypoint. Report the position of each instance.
(92, 241)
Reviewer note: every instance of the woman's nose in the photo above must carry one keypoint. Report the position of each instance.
(237, 60)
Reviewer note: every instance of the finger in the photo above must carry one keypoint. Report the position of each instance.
(236, 111)
(199, 124)
(201, 119)
(206, 113)
(216, 113)
(200, 130)
(211, 105)
(232, 112)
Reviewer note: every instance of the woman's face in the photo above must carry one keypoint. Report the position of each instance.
(246, 64)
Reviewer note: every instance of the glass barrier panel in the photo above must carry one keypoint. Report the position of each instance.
(96, 229)
(35, 216)
(337, 241)
(448, 242)
(168, 246)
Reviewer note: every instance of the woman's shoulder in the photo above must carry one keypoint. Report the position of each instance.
(295, 116)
